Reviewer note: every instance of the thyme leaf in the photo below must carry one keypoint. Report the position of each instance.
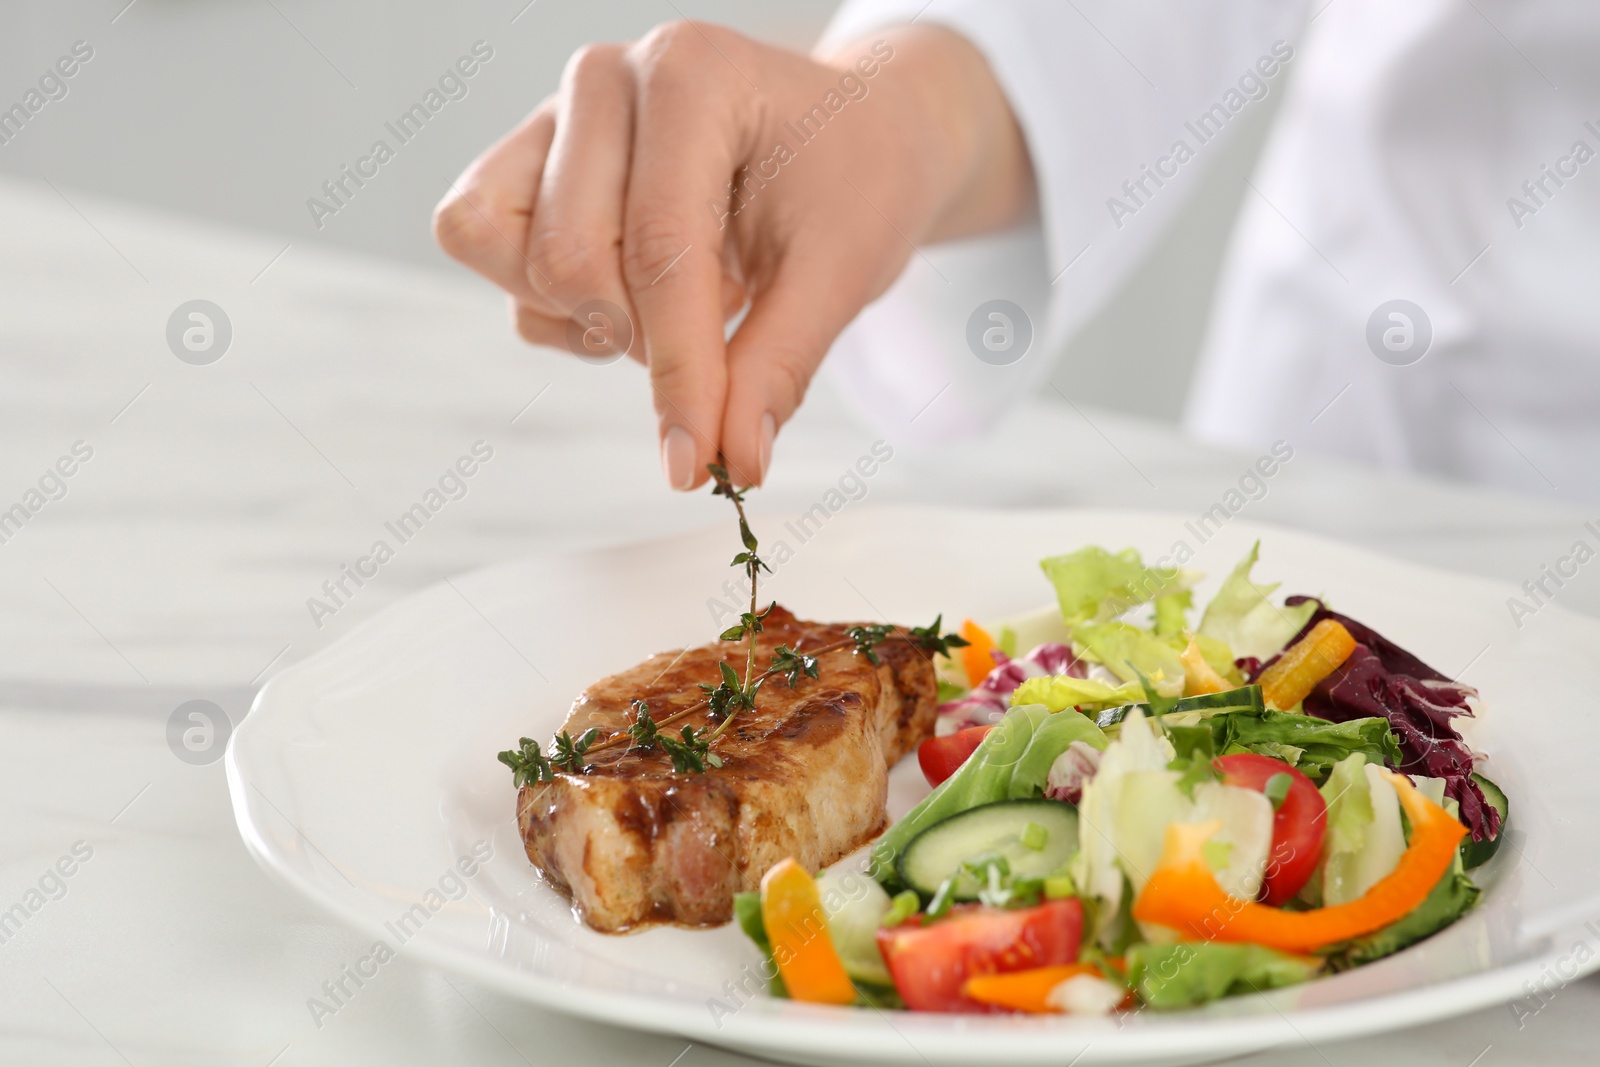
(693, 754)
(567, 753)
(792, 665)
(932, 642)
(867, 637)
(528, 764)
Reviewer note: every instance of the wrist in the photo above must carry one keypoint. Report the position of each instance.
(967, 153)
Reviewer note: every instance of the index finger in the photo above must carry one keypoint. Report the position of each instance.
(683, 157)
(483, 220)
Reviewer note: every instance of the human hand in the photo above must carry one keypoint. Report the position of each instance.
(698, 173)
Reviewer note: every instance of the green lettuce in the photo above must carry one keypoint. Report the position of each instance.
(1321, 743)
(1242, 615)
(1012, 763)
(1449, 900)
(1062, 692)
(1186, 973)
(1128, 652)
(1172, 613)
(1187, 711)
(1239, 721)
(1349, 802)
(747, 913)
(1098, 868)
(1094, 585)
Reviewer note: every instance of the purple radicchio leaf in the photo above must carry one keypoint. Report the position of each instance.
(1070, 771)
(1381, 678)
(991, 698)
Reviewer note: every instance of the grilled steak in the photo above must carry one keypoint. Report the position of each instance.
(804, 775)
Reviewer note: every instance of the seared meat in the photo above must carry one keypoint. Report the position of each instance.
(804, 775)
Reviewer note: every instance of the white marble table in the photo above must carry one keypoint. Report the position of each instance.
(219, 498)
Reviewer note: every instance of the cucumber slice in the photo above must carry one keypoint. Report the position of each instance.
(1476, 853)
(1011, 828)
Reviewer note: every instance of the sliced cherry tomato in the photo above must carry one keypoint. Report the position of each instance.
(931, 961)
(941, 757)
(1297, 828)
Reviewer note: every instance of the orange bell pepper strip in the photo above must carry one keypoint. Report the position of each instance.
(797, 927)
(1028, 990)
(1305, 663)
(976, 659)
(1183, 894)
(1199, 677)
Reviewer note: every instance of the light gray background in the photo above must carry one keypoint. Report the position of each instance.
(238, 110)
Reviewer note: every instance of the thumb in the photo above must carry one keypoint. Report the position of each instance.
(771, 360)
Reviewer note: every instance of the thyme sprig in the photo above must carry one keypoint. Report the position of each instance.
(693, 754)
(812, 655)
(643, 731)
(791, 664)
(729, 695)
(868, 637)
(691, 751)
(528, 764)
(930, 640)
(568, 754)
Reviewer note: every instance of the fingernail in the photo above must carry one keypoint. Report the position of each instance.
(769, 430)
(677, 457)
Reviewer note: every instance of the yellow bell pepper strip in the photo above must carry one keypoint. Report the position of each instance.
(1199, 678)
(976, 659)
(1305, 663)
(1183, 894)
(1028, 990)
(797, 927)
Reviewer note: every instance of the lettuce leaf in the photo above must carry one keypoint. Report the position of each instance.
(1062, 692)
(1094, 585)
(1242, 615)
(1322, 743)
(1129, 652)
(1012, 763)
(1454, 894)
(747, 913)
(1098, 869)
(1240, 722)
(1172, 613)
(1187, 973)
(1187, 711)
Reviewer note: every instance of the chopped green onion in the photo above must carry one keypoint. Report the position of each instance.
(983, 861)
(1059, 886)
(1034, 836)
(939, 906)
(904, 905)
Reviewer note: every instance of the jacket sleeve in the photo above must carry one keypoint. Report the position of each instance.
(1122, 103)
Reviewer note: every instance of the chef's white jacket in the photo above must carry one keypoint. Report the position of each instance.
(1414, 280)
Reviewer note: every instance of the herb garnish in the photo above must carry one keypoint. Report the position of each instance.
(729, 695)
(791, 664)
(643, 730)
(568, 754)
(691, 751)
(867, 637)
(527, 763)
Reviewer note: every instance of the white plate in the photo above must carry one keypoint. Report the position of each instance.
(363, 775)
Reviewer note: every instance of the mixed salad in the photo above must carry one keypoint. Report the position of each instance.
(1144, 810)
